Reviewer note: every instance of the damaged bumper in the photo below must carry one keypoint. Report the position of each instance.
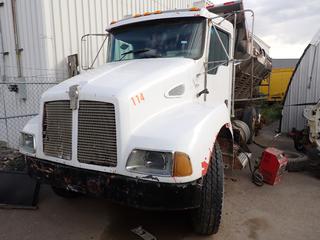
(130, 191)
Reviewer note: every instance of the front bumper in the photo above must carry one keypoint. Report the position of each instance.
(134, 192)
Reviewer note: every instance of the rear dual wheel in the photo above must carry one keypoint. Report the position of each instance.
(250, 117)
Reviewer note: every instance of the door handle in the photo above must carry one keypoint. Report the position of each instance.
(204, 91)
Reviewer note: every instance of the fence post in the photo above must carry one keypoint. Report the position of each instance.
(5, 113)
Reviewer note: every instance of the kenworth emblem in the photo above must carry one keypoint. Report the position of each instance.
(74, 95)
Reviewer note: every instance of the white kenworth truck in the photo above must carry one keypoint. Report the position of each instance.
(156, 125)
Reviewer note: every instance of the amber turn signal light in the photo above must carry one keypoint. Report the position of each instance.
(181, 165)
(194, 9)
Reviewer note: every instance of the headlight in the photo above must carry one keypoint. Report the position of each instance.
(27, 143)
(159, 163)
(150, 162)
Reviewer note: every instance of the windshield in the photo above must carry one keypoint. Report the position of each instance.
(165, 38)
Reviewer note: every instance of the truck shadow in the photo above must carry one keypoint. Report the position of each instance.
(161, 224)
(98, 218)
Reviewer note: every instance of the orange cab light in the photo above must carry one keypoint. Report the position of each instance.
(181, 165)
(194, 9)
(113, 22)
(157, 12)
(137, 15)
(146, 13)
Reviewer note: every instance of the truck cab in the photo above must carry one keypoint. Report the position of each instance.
(151, 128)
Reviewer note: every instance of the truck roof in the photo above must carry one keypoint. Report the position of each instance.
(148, 16)
(226, 7)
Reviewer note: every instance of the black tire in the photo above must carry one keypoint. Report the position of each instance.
(299, 147)
(61, 192)
(298, 144)
(297, 162)
(249, 117)
(206, 218)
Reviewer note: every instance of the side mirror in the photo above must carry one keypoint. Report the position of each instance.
(93, 50)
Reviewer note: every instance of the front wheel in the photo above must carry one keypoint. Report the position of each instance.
(206, 218)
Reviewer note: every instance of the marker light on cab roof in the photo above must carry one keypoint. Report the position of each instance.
(194, 9)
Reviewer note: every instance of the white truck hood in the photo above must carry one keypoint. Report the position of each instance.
(137, 88)
(125, 77)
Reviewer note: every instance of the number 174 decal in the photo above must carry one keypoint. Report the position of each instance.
(137, 99)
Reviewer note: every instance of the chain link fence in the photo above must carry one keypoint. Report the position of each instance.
(19, 102)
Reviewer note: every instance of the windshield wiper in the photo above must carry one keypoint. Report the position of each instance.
(134, 51)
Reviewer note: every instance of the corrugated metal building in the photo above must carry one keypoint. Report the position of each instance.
(37, 36)
(304, 87)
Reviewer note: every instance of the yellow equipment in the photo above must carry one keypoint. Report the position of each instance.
(276, 87)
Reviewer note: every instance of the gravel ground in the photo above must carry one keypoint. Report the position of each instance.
(288, 211)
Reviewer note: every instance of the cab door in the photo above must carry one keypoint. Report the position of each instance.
(219, 68)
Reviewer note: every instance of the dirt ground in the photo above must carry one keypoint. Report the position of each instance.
(290, 210)
(10, 160)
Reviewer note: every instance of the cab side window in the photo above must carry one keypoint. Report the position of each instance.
(217, 55)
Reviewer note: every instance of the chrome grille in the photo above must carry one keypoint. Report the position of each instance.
(97, 142)
(57, 129)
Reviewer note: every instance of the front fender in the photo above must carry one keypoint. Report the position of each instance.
(191, 128)
(32, 126)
